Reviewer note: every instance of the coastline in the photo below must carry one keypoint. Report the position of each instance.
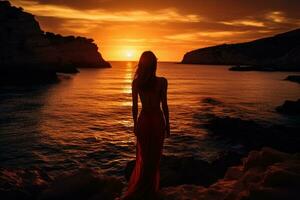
(270, 170)
(182, 176)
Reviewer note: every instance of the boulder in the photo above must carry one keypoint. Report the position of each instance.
(190, 170)
(22, 184)
(31, 184)
(293, 78)
(289, 107)
(265, 174)
(83, 184)
(253, 135)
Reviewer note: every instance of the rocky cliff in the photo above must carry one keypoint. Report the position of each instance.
(25, 47)
(280, 52)
(266, 174)
(68, 46)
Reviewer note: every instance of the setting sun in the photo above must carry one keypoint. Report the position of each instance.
(129, 54)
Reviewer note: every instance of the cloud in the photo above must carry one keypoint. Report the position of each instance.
(276, 16)
(101, 15)
(244, 23)
(269, 20)
(204, 34)
(280, 17)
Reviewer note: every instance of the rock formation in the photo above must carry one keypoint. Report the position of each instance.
(31, 184)
(280, 52)
(293, 78)
(84, 184)
(266, 174)
(78, 51)
(289, 107)
(24, 47)
(190, 170)
(253, 135)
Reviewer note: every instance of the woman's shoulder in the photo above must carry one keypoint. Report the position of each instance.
(134, 84)
(163, 82)
(134, 81)
(162, 79)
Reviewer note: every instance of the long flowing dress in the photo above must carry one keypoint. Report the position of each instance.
(144, 180)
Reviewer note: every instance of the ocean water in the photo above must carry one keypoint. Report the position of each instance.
(85, 119)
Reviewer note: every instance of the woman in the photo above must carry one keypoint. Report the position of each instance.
(150, 128)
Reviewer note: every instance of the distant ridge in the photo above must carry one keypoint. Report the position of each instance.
(280, 52)
(27, 51)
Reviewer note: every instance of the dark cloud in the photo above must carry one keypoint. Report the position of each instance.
(217, 9)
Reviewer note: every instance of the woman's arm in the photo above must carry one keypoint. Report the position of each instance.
(165, 106)
(134, 105)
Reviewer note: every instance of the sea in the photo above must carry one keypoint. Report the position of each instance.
(85, 119)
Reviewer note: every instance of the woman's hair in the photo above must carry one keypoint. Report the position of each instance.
(146, 70)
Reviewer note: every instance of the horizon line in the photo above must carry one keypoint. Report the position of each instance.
(174, 61)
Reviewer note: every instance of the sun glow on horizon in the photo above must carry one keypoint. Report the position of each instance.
(168, 28)
(129, 54)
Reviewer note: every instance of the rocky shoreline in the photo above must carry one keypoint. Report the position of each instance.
(263, 174)
(190, 170)
(258, 170)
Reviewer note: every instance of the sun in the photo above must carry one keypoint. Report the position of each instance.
(129, 54)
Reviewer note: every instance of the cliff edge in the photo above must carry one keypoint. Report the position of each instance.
(280, 52)
(25, 48)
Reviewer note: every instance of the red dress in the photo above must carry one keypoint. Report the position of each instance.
(144, 180)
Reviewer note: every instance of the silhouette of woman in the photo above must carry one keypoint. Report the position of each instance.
(150, 128)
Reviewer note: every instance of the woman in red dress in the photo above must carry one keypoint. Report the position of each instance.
(150, 128)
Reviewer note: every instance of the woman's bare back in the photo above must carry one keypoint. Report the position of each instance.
(151, 98)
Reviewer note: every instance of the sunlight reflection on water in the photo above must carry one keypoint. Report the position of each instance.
(86, 120)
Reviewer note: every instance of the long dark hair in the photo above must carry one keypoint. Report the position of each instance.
(145, 73)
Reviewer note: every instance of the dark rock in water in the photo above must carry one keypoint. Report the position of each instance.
(25, 47)
(293, 78)
(280, 52)
(22, 184)
(33, 184)
(289, 108)
(84, 184)
(189, 170)
(212, 101)
(253, 135)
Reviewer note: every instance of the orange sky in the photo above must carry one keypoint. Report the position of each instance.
(124, 28)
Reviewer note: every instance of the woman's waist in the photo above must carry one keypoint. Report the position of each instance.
(151, 110)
